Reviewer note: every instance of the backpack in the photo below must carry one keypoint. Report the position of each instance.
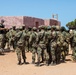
(41, 36)
(20, 40)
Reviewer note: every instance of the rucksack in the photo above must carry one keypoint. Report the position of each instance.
(19, 40)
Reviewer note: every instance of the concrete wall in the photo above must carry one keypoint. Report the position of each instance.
(31, 21)
(53, 22)
(47, 22)
(27, 21)
(12, 20)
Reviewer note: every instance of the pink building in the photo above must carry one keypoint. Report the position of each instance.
(27, 21)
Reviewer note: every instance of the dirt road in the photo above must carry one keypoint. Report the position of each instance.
(8, 66)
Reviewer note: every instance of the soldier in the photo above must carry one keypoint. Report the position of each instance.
(12, 33)
(33, 41)
(28, 45)
(67, 41)
(74, 45)
(42, 50)
(53, 45)
(2, 35)
(48, 37)
(63, 44)
(8, 37)
(58, 50)
(20, 46)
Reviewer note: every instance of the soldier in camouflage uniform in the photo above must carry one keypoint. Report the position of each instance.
(33, 41)
(2, 35)
(48, 38)
(63, 44)
(58, 49)
(20, 46)
(42, 50)
(8, 37)
(74, 45)
(67, 42)
(28, 45)
(12, 33)
(53, 45)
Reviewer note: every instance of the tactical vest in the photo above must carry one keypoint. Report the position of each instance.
(41, 37)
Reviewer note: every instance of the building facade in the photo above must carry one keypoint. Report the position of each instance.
(27, 21)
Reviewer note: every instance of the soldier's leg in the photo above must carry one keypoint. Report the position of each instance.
(23, 55)
(3, 44)
(33, 55)
(3, 41)
(27, 46)
(14, 46)
(18, 52)
(46, 56)
(67, 50)
(49, 52)
(8, 45)
(53, 56)
(39, 50)
(74, 54)
(63, 55)
(58, 55)
(42, 55)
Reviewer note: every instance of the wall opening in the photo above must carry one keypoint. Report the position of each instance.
(36, 24)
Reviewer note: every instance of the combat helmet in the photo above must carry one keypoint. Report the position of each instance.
(57, 27)
(53, 27)
(49, 27)
(34, 28)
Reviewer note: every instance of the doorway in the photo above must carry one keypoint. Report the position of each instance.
(36, 24)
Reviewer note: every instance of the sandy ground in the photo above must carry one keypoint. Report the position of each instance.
(8, 66)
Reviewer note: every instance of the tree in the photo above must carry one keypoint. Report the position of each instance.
(71, 24)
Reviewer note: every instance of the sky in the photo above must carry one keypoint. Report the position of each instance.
(66, 9)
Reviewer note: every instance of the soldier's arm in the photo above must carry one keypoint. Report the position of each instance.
(3, 28)
(30, 39)
(38, 39)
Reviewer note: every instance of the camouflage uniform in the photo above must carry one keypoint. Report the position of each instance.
(58, 50)
(63, 44)
(12, 33)
(42, 50)
(48, 37)
(67, 42)
(7, 37)
(2, 35)
(33, 41)
(20, 46)
(74, 45)
(53, 45)
(28, 45)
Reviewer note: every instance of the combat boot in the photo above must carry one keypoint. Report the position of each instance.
(33, 62)
(19, 63)
(53, 63)
(24, 61)
(47, 63)
(38, 64)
